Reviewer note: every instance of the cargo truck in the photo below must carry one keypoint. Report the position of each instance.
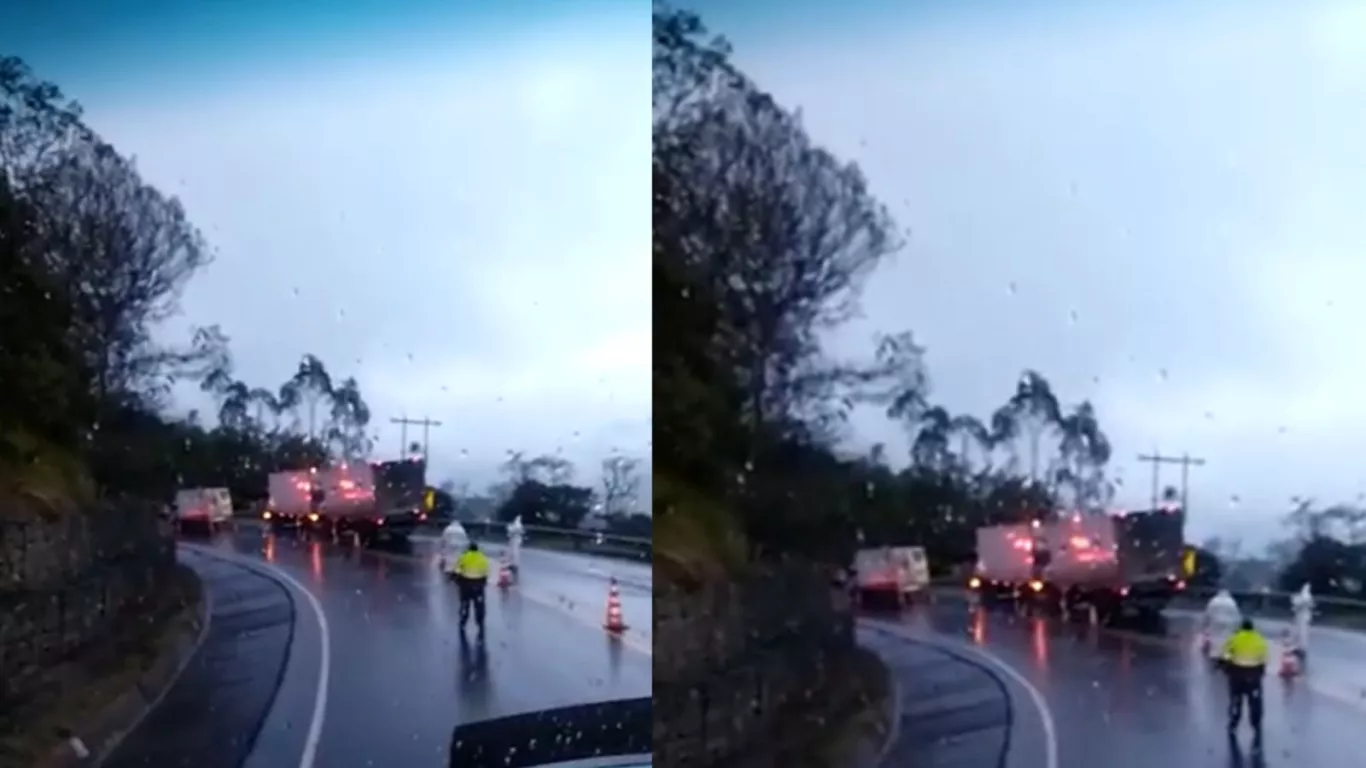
(1123, 563)
(383, 500)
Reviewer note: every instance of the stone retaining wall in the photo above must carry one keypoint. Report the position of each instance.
(67, 581)
(741, 669)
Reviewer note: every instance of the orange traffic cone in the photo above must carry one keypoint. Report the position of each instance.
(504, 574)
(1290, 663)
(615, 623)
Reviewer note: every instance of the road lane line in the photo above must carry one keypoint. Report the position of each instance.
(1046, 721)
(315, 725)
(1050, 728)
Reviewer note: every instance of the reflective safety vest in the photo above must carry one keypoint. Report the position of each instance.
(472, 564)
(1246, 648)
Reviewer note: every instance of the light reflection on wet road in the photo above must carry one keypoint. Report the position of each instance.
(401, 680)
(1129, 699)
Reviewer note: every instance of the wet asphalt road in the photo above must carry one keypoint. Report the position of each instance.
(400, 680)
(1128, 700)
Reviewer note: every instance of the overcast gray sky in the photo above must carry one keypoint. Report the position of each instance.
(1157, 205)
(450, 204)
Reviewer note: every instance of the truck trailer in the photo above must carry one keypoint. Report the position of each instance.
(381, 500)
(1120, 563)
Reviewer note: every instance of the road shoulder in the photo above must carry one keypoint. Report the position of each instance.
(863, 725)
(953, 709)
(213, 714)
(105, 698)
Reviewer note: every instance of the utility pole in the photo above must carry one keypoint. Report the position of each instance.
(1185, 460)
(426, 425)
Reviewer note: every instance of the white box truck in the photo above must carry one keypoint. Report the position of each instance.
(1118, 563)
(892, 575)
(384, 500)
(206, 509)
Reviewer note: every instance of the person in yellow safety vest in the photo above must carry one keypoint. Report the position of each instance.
(472, 579)
(1244, 660)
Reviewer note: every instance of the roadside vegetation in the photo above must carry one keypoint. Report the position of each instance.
(93, 259)
(762, 243)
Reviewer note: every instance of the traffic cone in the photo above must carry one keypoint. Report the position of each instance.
(1290, 664)
(504, 573)
(615, 623)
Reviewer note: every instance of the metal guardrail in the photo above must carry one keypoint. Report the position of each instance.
(569, 539)
(1331, 611)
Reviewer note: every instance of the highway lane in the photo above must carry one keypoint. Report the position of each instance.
(1337, 657)
(578, 583)
(400, 679)
(1126, 700)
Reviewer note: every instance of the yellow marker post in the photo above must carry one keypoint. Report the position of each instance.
(1188, 562)
(429, 499)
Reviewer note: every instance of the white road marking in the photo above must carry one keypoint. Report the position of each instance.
(315, 724)
(1046, 721)
(1050, 728)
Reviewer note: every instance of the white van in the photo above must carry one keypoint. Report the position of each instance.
(207, 507)
(899, 572)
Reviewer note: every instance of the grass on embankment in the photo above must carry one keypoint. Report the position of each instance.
(858, 729)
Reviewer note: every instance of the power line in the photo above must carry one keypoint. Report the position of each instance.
(426, 425)
(1185, 460)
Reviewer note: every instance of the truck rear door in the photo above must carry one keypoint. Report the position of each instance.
(878, 570)
(1005, 553)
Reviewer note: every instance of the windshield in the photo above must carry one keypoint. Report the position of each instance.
(302, 305)
(1062, 293)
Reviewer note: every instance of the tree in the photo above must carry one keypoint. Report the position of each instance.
(1329, 566)
(555, 506)
(620, 485)
(349, 418)
(930, 449)
(767, 240)
(306, 390)
(761, 243)
(1031, 412)
(94, 258)
(123, 255)
(1084, 450)
(973, 436)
